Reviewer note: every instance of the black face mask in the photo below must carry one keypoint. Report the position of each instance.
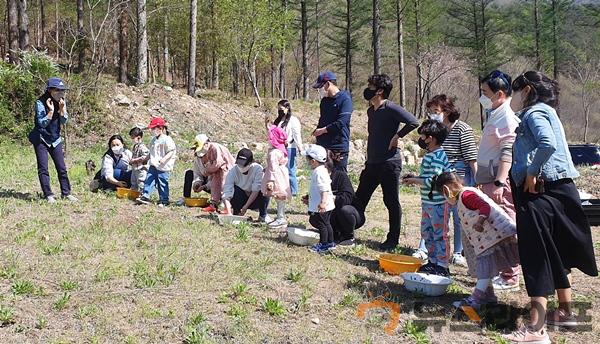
(422, 143)
(369, 93)
(281, 113)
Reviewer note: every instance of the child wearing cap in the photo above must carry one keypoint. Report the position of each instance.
(320, 198)
(217, 161)
(163, 154)
(140, 159)
(275, 181)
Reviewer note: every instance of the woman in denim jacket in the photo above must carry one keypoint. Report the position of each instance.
(553, 232)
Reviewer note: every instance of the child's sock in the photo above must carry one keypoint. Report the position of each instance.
(482, 293)
(280, 209)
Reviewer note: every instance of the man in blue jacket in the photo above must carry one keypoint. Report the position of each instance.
(333, 130)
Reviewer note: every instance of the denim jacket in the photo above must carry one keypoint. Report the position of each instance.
(540, 148)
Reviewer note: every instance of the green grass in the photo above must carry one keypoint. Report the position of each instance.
(23, 287)
(416, 332)
(274, 307)
(6, 316)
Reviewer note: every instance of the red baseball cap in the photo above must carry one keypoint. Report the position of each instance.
(157, 122)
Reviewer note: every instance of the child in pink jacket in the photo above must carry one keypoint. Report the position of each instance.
(276, 182)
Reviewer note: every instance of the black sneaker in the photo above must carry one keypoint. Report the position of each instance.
(441, 271)
(142, 200)
(428, 268)
(387, 246)
(347, 243)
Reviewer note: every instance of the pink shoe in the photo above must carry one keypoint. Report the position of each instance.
(529, 336)
(559, 317)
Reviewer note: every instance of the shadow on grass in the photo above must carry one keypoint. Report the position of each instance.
(10, 193)
(371, 264)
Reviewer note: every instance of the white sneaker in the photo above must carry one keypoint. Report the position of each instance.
(280, 222)
(265, 219)
(51, 199)
(180, 202)
(422, 255)
(458, 259)
(71, 198)
(502, 285)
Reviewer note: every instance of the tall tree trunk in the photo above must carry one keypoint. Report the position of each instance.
(304, 38)
(235, 71)
(165, 40)
(214, 80)
(400, 42)
(123, 41)
(142, 44)
(42, 25)
(282, 92)
(191, 83)
(23, 25)
(536, 21)
(318, 36)
(419, 82)
(555, 47)
(348, 46)
(13, 30)
(376, 37)
(56, 31)
(80, 37)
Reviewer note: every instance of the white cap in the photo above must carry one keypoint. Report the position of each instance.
(316, 152)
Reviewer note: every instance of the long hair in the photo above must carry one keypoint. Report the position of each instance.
(542, 89)
(283, 119)
(445, 178)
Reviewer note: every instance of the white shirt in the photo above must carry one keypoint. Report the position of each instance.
(249, 182)
(293, 131)
(320, 181)
(159, 147)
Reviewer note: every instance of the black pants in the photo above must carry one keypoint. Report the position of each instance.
(387, 175)
(240, 198)
(56, 153)
(321, 221)
(345, 220)
(188, 182)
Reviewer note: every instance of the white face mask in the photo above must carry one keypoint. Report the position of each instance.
(244, 169)
(117, 150)
(436, 117)
(156, 132)
(516, 102)
(485, 102)
(322, 92)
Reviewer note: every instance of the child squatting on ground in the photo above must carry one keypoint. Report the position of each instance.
(162, 160)
(434, 222)
(320, 198)
(276, 181)
(489, 236)
(139, 160)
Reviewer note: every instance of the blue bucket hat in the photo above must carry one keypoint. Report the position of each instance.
(57, 83)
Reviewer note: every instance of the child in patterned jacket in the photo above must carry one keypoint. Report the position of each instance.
(489, 236)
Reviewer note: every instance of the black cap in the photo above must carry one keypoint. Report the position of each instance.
(245, 155)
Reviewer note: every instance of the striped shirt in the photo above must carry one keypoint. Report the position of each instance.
(434, 163)
(460, 145)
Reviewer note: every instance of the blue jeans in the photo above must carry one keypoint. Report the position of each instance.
(292, 170)
(161, 179)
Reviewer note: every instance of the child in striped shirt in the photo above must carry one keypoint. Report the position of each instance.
(434, 221)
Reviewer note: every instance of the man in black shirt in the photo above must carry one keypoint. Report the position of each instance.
(384, 159)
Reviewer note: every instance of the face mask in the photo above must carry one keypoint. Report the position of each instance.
(369, 94)
(516, 102)
(422, 143)
(57, 95)
(322, 92)
(485, 102)
(117, 150)
(156, 132)
(452, 200)
(281, 113)
(436, 117)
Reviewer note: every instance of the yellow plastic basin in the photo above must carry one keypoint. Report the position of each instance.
(127, 193)
(395, 264)
(196, 202)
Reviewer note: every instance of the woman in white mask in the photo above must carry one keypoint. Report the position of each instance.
(461, 149)
(115, 171)
(495, 154)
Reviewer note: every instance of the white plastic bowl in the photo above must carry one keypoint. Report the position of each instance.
(431, 285)
(231, 219)
(302, 237)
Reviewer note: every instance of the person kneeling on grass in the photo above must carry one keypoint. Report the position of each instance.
(434, 222)
(320, 198)
(116, 170)
(489, 236)
(241, 190)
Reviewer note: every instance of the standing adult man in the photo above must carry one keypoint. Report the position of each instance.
(494, 158)
(384, 159)
(333, 130)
